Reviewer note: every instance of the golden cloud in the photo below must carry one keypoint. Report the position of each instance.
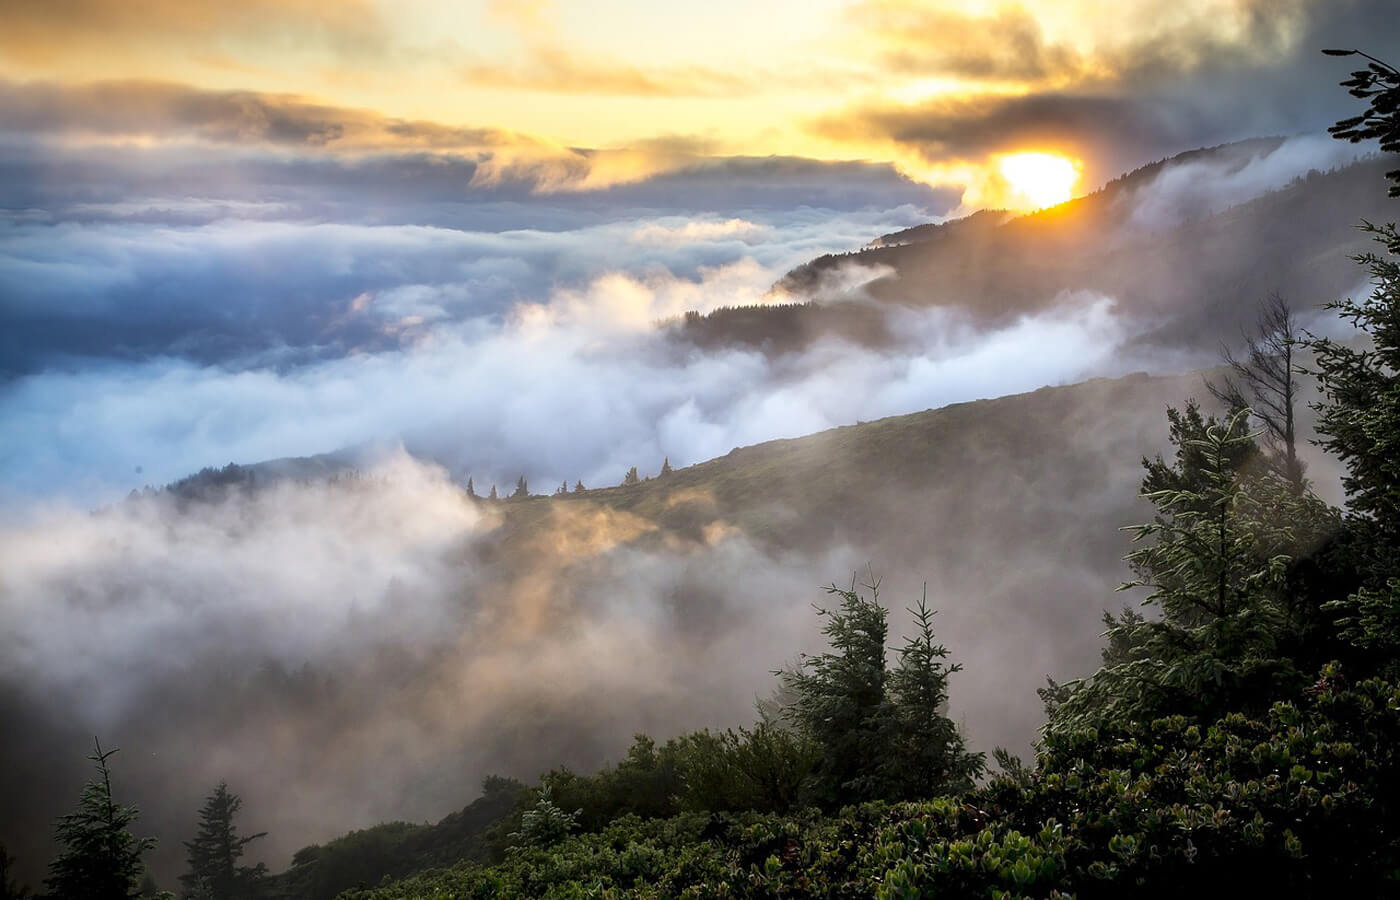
(40, 31)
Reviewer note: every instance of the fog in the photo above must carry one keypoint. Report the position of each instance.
(367, 648)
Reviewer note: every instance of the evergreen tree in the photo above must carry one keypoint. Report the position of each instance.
(471, 488)
(562, 489)
(101, 858)
(493, 495)
(578, 487)
(839, 700)
(631, 477)
(666, 466)
(1379, 85)
(545, 824)
(1359, 416)
(522, 489)
(1216, 559)
(929, 757)
(10, 889)
(212, 857)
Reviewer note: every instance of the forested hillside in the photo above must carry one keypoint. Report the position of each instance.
(1194, 270)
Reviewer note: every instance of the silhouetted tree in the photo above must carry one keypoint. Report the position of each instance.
(10, 889)
(1359, 416)
(839, 699)
(1378, 83)
(562, 489)
(101, 858)
(522, 489)
(578, 487)
(493, 495)
(929, 756)
(471, 488)
(666, 466)
(212, 857)
(1265, 380)
(631, 477)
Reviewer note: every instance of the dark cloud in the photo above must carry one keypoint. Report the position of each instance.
(922, 40)
(170, 111)
(1159, 93)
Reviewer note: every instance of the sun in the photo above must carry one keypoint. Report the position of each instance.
(1038, 180)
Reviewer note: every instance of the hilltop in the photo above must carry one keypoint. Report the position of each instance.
(1154, 240)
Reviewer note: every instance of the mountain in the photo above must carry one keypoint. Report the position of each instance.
(1167, 242)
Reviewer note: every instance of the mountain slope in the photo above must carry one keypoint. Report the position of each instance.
(1153, 241)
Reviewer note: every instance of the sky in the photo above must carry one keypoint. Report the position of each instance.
(578, 96)
(439, 238)
(225, 228)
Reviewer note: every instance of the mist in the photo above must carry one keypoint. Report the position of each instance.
(368, 647)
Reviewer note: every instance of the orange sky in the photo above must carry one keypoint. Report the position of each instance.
(658, 83)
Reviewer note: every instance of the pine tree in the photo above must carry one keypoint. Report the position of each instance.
(9, 888)
(471, 488)
(1379, 85)
(666, 466)
(101, 858)
(578, 487)
(631, 477)
(563, 488)
(839, 699)
(493, 495)
(1359, 416)
(212, 857)
(522, 489)
(1216, 559)
(930, 756)
(545, 824)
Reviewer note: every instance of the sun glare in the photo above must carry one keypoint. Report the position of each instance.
(1038, 180)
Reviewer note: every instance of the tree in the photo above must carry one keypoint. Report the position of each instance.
(9, 888)
(562, 489)
(213, 854)
(1265, 380)
(578, 487)
(929, 757)
(101, 858)
(666, 466)
(631, 477)
(1378, 83)
(1187, 431)
(1359, 415)
(471, 488)
(1216, 558)
(493, 495)
(839, 699)
(545, 824)
(522, 489)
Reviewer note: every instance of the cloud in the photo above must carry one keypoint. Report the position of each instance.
(172, 112)
(44, 31)
(305, 638)
(1195, 188)
(689, 231)
(1178, 77)
(923, 39)
(603, 391)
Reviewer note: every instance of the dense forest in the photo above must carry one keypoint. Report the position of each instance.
(1241, 737)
